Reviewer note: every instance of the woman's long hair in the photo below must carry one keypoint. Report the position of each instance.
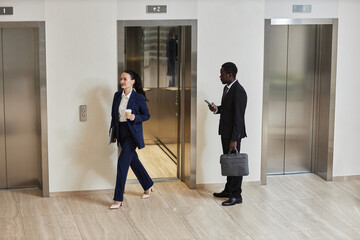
(138, 84)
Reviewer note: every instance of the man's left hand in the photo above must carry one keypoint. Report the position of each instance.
(232, 145)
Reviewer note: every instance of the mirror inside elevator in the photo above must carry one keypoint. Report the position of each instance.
(299, 79)
(162, 56)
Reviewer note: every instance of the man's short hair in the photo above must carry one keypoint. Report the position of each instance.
(230, 68)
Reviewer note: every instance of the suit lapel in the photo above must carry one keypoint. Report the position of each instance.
(117, 103)
(131, 99)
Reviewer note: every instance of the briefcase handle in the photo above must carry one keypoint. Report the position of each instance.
(234, 151)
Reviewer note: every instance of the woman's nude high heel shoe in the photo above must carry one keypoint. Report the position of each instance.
(147, 195)
(116, 205)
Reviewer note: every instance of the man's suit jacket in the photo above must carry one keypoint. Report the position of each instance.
(232, 112)
(137, 104)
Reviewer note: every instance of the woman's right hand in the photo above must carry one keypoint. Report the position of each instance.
(114, 140)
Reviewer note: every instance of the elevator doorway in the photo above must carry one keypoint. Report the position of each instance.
(20, 153)
(299, 79)
(163, 53)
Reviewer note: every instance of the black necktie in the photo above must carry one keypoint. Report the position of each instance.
(226, 90)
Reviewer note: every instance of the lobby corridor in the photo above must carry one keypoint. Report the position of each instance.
(288, 207)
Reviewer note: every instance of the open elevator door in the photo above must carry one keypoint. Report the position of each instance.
(161, 52)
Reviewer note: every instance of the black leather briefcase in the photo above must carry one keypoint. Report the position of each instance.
(234, 164)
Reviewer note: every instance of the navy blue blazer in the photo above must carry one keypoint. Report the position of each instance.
(137, 104)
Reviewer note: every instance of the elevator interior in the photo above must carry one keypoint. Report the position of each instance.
(299, 83)
(162, 52)
(22, 154)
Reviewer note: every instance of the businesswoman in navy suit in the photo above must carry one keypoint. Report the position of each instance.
(129, 133)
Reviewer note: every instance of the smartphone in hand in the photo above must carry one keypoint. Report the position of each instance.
(212, 107)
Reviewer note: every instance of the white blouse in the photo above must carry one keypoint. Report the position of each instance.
(123, 105)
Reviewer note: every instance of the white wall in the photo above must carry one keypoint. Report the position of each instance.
(82, 62)
(24, 10)
(347, 107)
(136, 10)
(81, 69)
(229, 30)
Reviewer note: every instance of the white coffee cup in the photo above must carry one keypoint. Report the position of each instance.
(127, 112)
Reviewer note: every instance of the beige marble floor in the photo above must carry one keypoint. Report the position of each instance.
(288, 207)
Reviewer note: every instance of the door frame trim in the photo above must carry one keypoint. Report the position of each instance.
(189, 164)
(40, 26)
(264, 145)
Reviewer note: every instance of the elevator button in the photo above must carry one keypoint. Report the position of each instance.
(83, 113)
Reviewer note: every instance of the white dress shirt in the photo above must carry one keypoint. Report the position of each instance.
(229, 86)
(123, 105)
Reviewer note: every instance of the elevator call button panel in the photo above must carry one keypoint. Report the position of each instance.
(83, 113)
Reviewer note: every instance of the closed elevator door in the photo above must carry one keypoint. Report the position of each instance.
(19, 113)
(290, 68)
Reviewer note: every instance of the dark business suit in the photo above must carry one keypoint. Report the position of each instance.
(232, 127)
(129, 135)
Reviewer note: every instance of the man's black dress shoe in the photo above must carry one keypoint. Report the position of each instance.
(232, 201)
(222, 195)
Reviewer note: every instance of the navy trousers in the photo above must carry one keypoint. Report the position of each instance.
(233, 183)
(128, 157)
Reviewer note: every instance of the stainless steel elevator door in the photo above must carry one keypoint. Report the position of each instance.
(276, 44)
(19, 130)
(3, 183)
(300, 98)
(324, 98)
(290, 70)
